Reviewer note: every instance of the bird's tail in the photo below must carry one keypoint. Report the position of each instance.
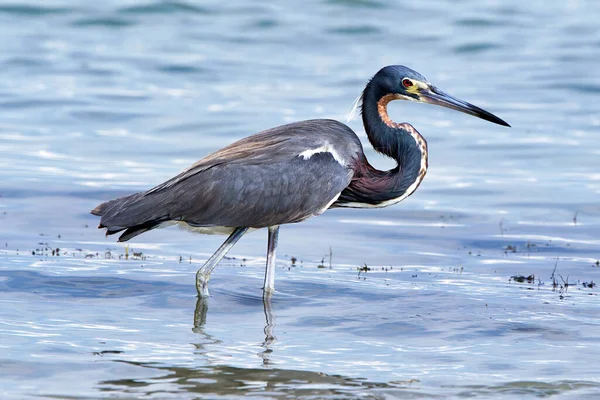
(129, 214)
(101, 209)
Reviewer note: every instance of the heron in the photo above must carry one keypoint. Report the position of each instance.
(290, 173)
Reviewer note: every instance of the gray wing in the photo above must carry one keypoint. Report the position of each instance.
(278, 176)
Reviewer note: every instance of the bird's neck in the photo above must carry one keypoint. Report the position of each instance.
(402, 142)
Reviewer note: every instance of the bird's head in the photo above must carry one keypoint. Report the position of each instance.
(397, 82)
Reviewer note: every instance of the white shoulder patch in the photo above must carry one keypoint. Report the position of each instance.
(326, 148)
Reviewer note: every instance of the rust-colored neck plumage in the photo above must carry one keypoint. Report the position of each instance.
(400, 141)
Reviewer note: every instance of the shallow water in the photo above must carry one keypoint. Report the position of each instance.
(101, 101)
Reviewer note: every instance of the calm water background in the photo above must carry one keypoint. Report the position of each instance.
(99, 101)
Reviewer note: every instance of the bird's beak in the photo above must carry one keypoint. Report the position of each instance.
(433, 95)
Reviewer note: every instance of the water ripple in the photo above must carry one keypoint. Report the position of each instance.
(103, 22)
(165, 7)
(24, 10)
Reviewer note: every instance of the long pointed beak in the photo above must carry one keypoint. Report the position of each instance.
(435, 96)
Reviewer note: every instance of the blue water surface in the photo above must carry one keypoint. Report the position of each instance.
(103, 99)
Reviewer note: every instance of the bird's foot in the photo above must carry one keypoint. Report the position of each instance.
(202, 279)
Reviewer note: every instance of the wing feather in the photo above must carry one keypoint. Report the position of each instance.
(259, 181)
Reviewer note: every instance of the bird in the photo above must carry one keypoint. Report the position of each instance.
(290, 173)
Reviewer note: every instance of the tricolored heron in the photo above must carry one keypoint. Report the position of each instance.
(290, 173)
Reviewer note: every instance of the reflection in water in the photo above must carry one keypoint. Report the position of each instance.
(231, 381)
(199, 323)
(270, 339)
(200, 315)
(217, 381)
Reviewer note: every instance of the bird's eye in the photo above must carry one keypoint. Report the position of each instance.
(406, 83)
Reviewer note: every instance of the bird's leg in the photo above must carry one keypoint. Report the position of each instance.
(269, 287)
(203, 274)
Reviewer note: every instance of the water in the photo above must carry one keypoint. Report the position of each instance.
(103, 100)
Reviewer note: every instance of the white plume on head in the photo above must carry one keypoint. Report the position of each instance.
(355, 105)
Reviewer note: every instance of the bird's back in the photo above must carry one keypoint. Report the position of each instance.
(281, 175)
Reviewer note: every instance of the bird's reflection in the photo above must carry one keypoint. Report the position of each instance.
(200, 321)
(200, 315)
(269, 330)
